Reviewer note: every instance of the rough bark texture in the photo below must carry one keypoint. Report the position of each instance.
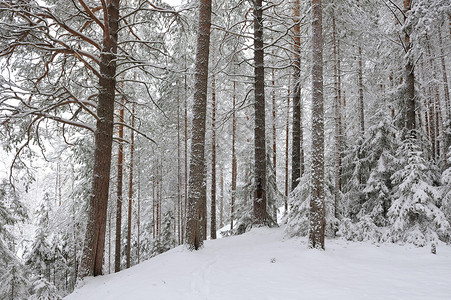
(259, 129)
(287, 138)
(197, 170)
(317, 209)
(274, 131)
(444, 79)
(213, 161)
(409, 76)
(297, 154)
(130, 190)
(119, 198)
(234, 165)
(92, 259)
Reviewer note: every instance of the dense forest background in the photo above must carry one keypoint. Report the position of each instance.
(387, 116)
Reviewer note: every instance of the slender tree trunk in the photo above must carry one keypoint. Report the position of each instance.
(213, 161)
(361, 99)
(337, 108)
(138, 219)
(179, 177)
(234, 162)
(197, 177)
(94, 246)
(409, 75)
(186, 153)
(154, 206)
(287, 138)
(444, 78)
(109, 242)
(317, 207)
(274, 132)
(297, 154)
(130, 189)
(158, 208)
(120, 162)
(221, 203)
(260, 214)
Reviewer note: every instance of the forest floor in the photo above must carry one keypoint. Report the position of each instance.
(262, 265)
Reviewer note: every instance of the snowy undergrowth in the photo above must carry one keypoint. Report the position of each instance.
(261, 264)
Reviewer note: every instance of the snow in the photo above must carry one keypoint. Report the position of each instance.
(261, 264)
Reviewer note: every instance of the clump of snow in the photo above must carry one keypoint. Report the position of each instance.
(261, 264)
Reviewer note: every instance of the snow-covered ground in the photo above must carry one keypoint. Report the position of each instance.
(262, 265)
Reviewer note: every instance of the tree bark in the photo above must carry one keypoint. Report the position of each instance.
(197, 176)
(444, 79)
(337, 109)
(119, 198)
(361, 100)
(317, 210)
(213, 161)
(409, 75)
(297, 154)
(221, 203)
(94, 246)
(234, 162)
(274, 131)
(130, 189)
(259, 129)
(287, 138)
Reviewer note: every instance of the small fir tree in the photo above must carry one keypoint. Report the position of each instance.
(414, 216)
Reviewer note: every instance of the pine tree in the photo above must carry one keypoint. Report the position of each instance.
(414, 216)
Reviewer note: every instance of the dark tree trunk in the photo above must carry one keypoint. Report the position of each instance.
(338, 133)
(234, 163)
(221, 204)
(130, 190)
(119, 198)
(287, 138)
(197, 176)
(361, 100)
(94, 246)
(444, 78)
(409, 76)
(259, 130)
(317, 210)
(297, 154)
(213, 161)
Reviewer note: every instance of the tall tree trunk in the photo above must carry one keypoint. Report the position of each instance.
(94, 246)
(213, 161)
(234, 162)
(444, 78)
(130, 189)
(337, 109)
(317, 223)
(185, 195)
(154, 206)
(179, 216)
(361, 100)
(221, 203)
(409, 75)
(259, 129)
(138, 217)
(197, 176)
(120, 163)
(274, 132)
(158, 202)
(287, 138)
(297, 154)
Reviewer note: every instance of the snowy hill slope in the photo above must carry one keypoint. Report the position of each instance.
(262, 265)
